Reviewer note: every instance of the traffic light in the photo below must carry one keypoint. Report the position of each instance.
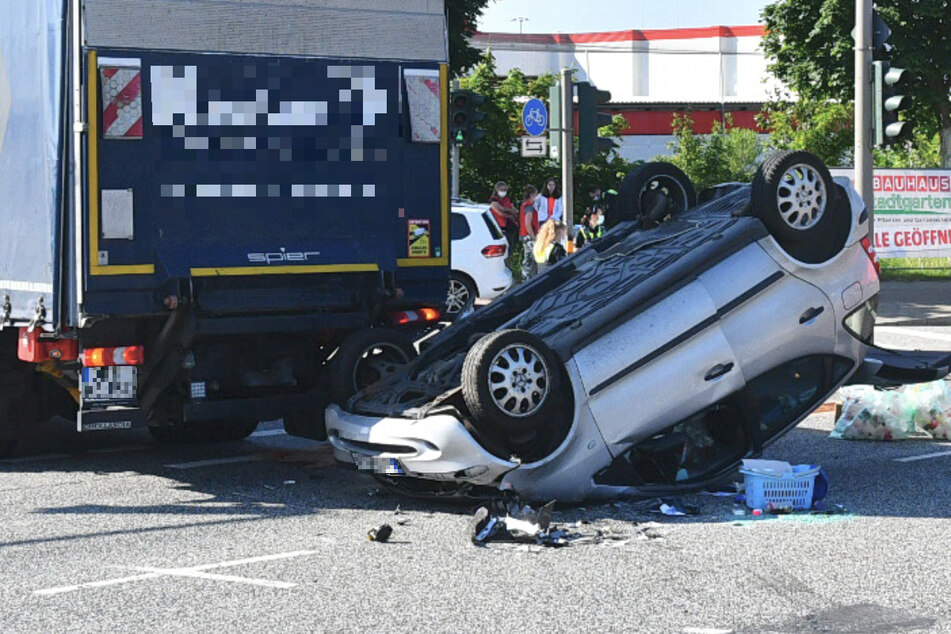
(465, 117)
(888, 103)
(589, 120)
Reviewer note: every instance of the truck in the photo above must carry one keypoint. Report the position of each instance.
(213, 214)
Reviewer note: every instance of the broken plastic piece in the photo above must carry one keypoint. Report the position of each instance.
(380, 534)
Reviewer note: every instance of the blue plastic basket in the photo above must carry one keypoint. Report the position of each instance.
(791, 488)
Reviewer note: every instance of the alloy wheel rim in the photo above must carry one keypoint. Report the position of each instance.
(801, 197)
(518, 380)
(457, 297)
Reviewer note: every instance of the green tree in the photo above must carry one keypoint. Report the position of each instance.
(497, 155)
(726, 154)
(924, 150)
(809, 45)
(462, 17)
(818, 126)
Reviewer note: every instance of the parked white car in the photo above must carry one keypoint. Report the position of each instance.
(477, 257)
(651, 362)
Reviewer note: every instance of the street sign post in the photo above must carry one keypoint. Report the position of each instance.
(534, 147)
(535, 117)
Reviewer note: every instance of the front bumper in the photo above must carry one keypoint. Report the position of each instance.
(432, 448)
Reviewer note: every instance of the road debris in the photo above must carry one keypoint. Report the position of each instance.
(522, 528)
(381, 534)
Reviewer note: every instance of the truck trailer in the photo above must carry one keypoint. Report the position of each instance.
(214, 213)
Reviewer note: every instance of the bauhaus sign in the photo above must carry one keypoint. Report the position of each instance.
(912, 212)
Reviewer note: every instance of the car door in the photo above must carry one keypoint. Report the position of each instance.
(664, 363)
(767, 314)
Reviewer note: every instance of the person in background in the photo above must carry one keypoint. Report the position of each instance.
(549, 247)
(549, 203)
(594, 194)
(591, 228)
(505, 215)
(527, 230)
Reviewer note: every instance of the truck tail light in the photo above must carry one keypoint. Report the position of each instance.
(494, 251)
(124, 355)
(872, 255)
(410, 316)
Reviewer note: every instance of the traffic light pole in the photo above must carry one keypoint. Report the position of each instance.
(863, 108)
(455, 170)
(567, 147)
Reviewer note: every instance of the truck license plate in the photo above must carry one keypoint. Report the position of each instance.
(113, 384)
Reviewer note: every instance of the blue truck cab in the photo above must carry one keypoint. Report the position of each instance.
(215, 214)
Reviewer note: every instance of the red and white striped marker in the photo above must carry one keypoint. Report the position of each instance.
(121, 102)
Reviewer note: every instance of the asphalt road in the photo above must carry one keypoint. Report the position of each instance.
(112, 532)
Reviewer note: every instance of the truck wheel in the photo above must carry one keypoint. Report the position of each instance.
(795, 197)
(309, 424)
(655, 193)
(513, 383)
(363, 358)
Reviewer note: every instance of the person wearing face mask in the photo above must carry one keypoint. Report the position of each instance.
(505, 215)
(591, 228)
(549, 203)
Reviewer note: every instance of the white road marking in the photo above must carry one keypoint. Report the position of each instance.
(268, 432)
(925, 456)
(213, 462)
(191, 571)
(197, 574)
(913, 332)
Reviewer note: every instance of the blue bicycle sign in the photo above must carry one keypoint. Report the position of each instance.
(535, 117)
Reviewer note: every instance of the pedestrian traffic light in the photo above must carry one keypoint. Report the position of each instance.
(589, 120)
(465, 117)
(888, 103)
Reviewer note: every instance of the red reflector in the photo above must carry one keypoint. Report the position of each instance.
(494, 251)
(429, 314)
(872, 255)
(32, 349)
(125, 355)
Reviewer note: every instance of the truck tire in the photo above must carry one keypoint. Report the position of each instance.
(655, 193)
(18, 403)
(513, 384)
(795, 197)
(363, 358)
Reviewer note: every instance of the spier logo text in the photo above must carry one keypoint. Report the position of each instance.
(278, 257)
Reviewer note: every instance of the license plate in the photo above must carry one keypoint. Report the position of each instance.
(383, 466)
(113, 384)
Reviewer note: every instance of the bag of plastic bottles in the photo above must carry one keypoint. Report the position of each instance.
(929, 406)
(870, 414)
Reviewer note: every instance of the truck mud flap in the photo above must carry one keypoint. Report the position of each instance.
(110, 419)
(892, 368)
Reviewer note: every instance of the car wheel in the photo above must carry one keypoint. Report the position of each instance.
(363, 358)
(513, 383)
(462, 294)
(655, 193)
(795, 197)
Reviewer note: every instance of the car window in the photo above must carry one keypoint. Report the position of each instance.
(458, 227)
(491, 224)
(693, 449)
(782, 395)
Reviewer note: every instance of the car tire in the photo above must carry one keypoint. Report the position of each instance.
(461, 295)
(655, 193)
(513, 384)
(794, 195)
(363, 358)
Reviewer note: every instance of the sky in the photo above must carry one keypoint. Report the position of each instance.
(567, 16)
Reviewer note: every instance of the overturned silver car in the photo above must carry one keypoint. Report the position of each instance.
(654, 360)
